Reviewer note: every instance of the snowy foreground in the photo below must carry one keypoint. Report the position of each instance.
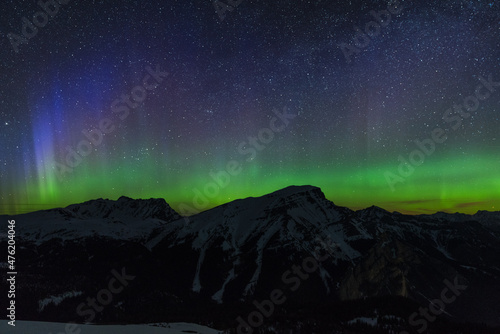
(35, 327)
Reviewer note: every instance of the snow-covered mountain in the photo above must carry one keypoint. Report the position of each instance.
(36, 327)
(125, 219)
(215, 265)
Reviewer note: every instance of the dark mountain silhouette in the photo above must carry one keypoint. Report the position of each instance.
(211, 267)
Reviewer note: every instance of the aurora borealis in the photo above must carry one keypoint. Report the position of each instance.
(223, 82)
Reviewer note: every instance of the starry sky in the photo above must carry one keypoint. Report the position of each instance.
(203, 102)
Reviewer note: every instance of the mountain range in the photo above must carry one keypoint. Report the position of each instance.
(289, 261)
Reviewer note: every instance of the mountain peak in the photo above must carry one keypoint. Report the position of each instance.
(299, 194)
(290, 193)
(125, 206)
(374, 208)
(372, 211)
(292, 190)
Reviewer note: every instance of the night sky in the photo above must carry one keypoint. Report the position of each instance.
(262, 96)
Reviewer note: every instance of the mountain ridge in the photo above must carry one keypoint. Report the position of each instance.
(227, 257)
(283, 192)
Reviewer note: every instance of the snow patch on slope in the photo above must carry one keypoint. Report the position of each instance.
(56, 300)
(218, 295)
(37, 327)
(196, 281)
(261, 244)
